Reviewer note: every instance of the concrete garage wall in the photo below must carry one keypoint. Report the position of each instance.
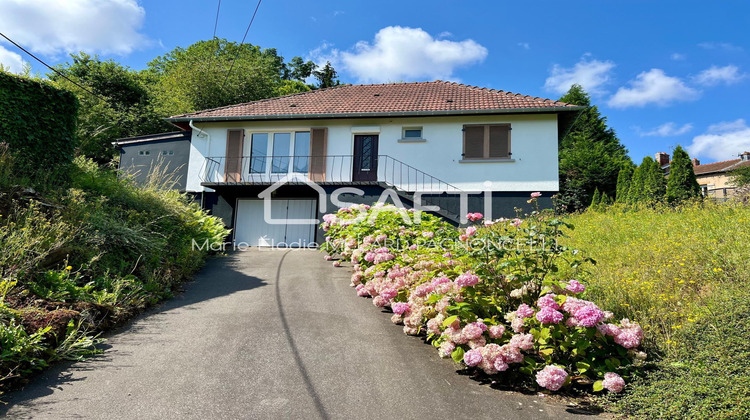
(138, 165)
(534, 142)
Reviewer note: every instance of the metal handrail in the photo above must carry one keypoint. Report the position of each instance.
(330, 169)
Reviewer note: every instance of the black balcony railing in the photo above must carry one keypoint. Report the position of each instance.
(330, 169)
(333, 170)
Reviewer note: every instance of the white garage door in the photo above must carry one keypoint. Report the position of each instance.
(251, 228)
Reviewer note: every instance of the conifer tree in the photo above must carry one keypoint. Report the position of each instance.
(635, 192)
(591, 155)
(623, 183)
(596, 200)
(654, 184)
(682, 184)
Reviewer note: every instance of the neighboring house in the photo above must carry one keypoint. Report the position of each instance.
(714, 178)
(440, 137)
(166, 152)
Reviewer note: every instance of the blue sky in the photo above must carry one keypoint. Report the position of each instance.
(663, 72)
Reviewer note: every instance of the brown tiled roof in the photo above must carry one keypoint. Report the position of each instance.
(724, 166)
(421, 98)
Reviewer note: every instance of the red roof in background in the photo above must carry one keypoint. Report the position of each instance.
(724, 166)
(421, 98)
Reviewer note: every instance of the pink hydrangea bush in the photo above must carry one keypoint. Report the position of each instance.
(496, 310)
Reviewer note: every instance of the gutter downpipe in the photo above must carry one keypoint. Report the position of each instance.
(202, 133)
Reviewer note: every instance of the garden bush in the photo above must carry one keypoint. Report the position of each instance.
(489, 296)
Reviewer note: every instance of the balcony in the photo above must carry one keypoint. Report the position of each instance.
(324, 170)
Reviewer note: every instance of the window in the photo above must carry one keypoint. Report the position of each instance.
(286, 151)
(412, 133)
(258, 153)
(487, 142)
(167, 152)
(144, 152)
(301, 151)
(281, 144)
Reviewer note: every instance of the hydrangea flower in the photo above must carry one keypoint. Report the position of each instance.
(551, 377)
(575, 287)
(500, 365)
(471, 331)
(549, 316)
(400, 307)
(522, 341)
(589, 316)
(547, 301)
(467, 279)
(496, 331)
(446, 349)
(473, 357)
(524, 311)
(511, 354)
(613, 382)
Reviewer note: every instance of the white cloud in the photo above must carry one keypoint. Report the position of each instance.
(400, 53)
(652, 86)
(678, 56)
(590, 73)
(722, 141)
(668, 130)
(11, 61)
(725, 46)
(524, 45)
(54, 27)
(716, 75)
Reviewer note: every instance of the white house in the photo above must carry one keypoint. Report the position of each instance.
(439, 138)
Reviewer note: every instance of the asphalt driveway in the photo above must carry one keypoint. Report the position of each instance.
(268, 335)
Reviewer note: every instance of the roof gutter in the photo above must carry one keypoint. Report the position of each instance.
(378, 114)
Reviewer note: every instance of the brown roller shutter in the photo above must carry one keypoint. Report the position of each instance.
(233, 167)
(499, 141)
(318, 146)
(473, 142)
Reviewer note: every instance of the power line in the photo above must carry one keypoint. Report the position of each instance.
(58, 72)
(231, 67)
(216, 23)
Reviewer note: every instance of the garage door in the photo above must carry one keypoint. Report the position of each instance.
(251, 228)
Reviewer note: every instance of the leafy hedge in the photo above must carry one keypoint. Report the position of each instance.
(38, 121)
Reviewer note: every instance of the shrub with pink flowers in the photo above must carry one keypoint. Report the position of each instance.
(487, 295)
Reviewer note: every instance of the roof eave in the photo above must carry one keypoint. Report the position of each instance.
(379, 114)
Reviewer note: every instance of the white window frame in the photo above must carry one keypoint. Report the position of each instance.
(247, 148)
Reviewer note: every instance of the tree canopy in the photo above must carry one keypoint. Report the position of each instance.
(591, 155)
(127, 107)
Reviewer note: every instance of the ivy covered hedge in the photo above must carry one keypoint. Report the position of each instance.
(38, 122)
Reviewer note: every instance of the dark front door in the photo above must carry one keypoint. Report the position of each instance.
(365, 158)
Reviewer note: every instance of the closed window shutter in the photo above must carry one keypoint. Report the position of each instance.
(318, 146)
(473, 142)
(499, 141)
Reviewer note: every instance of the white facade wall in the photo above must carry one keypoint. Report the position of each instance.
(534, 148)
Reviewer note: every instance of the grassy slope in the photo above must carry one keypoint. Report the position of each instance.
(681, 273)
(83, 255)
